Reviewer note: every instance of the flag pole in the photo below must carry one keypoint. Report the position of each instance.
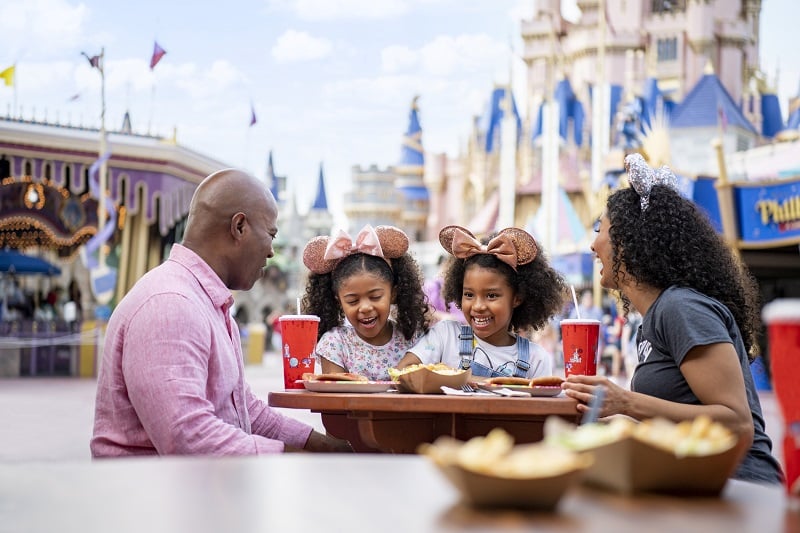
(15, 84)
(101, 204)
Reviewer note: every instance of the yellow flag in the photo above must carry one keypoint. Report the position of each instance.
(8, 76)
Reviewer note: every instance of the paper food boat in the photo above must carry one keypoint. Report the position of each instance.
(491, 472)
(481, 490)
(627, 463)
(426, 381)
(630, 465)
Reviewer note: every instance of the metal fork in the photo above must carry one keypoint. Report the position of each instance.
(466, 387)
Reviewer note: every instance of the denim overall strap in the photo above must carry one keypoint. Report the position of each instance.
(523, 357)
(465, 346)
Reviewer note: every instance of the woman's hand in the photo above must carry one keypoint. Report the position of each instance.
(583, 389)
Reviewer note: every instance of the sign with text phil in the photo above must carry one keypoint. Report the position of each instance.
(769, 212)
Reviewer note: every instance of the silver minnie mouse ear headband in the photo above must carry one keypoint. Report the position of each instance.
(642, 177)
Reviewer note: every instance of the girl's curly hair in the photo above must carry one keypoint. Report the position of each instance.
(413, 314)
(672, 242)
(540, 288)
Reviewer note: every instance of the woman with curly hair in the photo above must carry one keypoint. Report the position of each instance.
(359, 280)
(503, 287)
(700, 316)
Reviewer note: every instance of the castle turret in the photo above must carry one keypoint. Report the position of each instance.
(410, 180)
(319, 220)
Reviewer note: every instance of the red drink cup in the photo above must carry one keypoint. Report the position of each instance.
(579, 338)
(782, 318)
(298, 339)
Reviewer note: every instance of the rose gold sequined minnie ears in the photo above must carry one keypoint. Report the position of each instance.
(642, 177)
(512, 246)
(322, 254)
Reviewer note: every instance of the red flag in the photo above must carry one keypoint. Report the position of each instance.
(94, 61)
(158, 53)
(252, 115)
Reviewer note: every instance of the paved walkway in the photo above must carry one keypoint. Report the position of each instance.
(50, 419)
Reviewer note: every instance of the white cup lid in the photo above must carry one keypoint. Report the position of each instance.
(782, 310)
(315, 318)
(580, 321)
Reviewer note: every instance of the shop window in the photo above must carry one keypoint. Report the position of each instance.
(668, 6)
(667, 49)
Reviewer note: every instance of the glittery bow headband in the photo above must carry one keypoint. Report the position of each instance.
(642, 177)
(322, 254)
(512, 246)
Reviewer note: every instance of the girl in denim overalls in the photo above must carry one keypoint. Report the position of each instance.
(504, 287)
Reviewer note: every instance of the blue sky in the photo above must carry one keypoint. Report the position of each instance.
(331, 81)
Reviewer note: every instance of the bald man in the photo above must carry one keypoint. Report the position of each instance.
(171, 380)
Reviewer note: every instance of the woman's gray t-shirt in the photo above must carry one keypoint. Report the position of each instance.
(680, 319)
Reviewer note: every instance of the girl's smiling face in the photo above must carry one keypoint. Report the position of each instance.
(366, 300)
(603, 252)
(488, 303)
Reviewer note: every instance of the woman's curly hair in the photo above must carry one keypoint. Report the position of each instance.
(541, 289)
(413, 314)
(672, 242)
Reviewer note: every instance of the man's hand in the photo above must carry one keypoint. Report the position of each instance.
(317, 442)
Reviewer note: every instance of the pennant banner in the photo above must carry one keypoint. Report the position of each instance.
(158, 53)
(252, 115)
(94, 61)
(8, 75)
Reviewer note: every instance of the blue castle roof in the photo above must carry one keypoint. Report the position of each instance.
(771, 113)
(411, 151)
(706, 105)
(321, 200)
(271, 178)
(489, 124)
(570, 108)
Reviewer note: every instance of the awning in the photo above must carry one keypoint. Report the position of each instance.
(15, 262)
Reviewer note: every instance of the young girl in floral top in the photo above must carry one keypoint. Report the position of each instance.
(359, 280)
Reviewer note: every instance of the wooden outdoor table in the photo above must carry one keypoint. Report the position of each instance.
(398, 423)
(336, 493)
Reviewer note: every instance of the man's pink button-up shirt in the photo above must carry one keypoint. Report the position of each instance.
(172, 378)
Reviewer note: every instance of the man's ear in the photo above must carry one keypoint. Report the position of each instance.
(238, 224)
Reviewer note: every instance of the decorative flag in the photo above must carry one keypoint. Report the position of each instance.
(722, 118)
(158, 53)
(252, 115)
(94, 61)
(8, 75)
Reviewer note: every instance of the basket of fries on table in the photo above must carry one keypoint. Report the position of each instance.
(428, 378)
(691, 457)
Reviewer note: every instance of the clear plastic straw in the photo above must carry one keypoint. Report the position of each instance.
(298, 305)
(575, 301)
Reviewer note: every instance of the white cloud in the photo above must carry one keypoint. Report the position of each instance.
(300, 46)
(213, 81)
(43, 28)
(398, 58)
(343, 9)
(447, 55)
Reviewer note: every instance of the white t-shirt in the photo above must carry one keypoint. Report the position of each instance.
(440, 345)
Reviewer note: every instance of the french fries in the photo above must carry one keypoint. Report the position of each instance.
(439, 368)
(495, 455)
(701, 436)
(698, 437)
